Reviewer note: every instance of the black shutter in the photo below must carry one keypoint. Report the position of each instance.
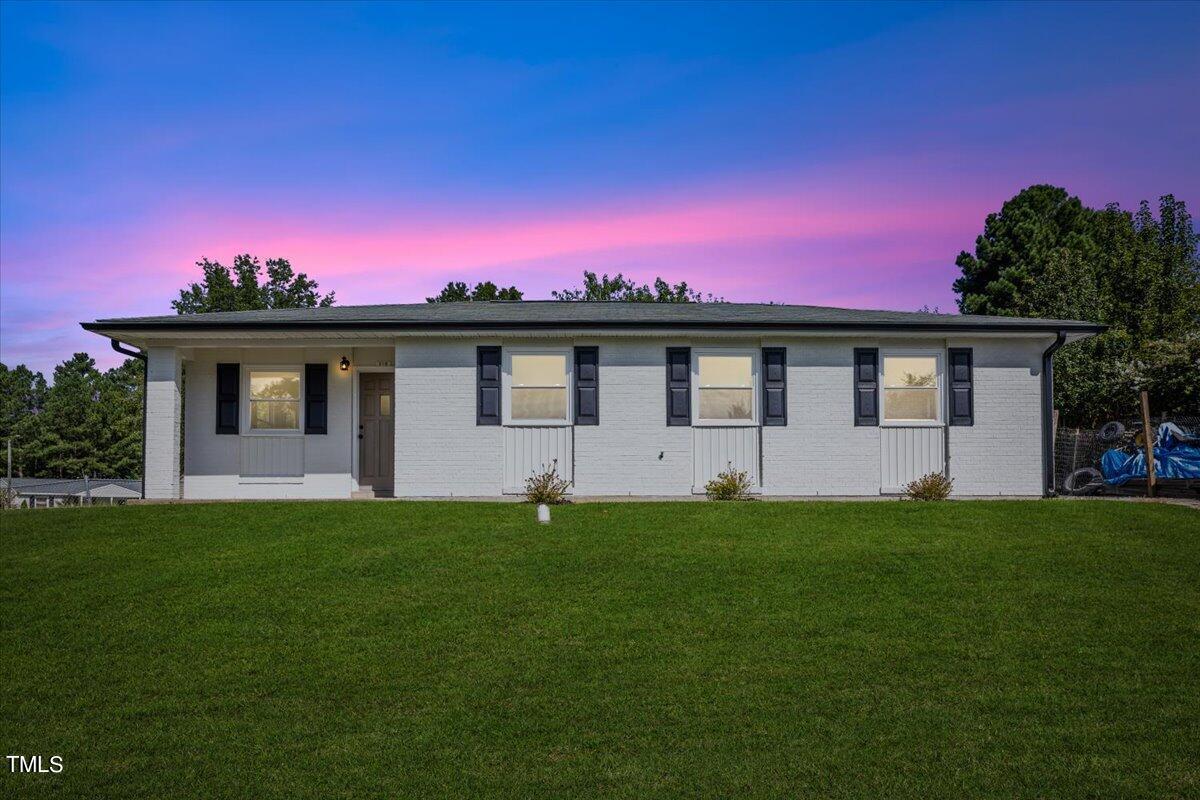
(962, 392)
(316, 398)
(679, 386)
(774, 385)
(228, 378)
(866, 386)
(587, 385)
(487, 383)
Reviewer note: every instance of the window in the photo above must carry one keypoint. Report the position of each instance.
(725, 387)
(275, 399)
(910, 388)
(538, 387)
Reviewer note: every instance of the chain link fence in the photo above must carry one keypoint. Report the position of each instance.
(1078, 448)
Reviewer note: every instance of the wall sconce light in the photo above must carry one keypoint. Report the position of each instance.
(344, 364)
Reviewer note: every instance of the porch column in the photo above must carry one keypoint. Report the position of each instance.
(164, 380)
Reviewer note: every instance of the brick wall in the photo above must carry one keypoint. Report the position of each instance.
(1002, 452)
(820, 451)
(621, 455)
(440, 451)
(163, 432)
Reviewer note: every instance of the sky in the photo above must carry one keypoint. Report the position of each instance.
(836, 154)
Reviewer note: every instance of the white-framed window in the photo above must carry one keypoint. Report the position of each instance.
(537, 385)
(911, 381)
(725, 382)
(273, 399)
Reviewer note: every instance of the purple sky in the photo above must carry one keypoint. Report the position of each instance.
(838, 155)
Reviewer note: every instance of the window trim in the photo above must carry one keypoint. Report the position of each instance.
(246, 412)
(506, 386)
(939, 357)
(755, 354)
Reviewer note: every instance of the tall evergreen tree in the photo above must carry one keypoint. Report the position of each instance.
(120, 406)
(22, 395)
(65, 440)
(1016, 245)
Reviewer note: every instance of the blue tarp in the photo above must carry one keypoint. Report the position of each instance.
(1177, 455)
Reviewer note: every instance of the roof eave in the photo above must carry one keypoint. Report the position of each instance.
(103, 327)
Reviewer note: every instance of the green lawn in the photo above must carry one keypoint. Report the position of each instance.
(319, 650)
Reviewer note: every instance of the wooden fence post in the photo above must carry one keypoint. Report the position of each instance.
(1148, 438)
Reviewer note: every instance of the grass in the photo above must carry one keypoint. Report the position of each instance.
(323, 650)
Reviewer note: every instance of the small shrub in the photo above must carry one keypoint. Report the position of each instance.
(547, 486)
(730, 484)
(934, 486)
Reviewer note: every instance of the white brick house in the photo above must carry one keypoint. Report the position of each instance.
(467, 399)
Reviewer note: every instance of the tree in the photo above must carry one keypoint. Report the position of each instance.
(22, 395)
(456, 292)
(618, 288)
(241, 289)
(1047, 255)
(622, 289)
(1015, 247)
(22, 392)
(84, 422)
(120, 406)
(63, 440)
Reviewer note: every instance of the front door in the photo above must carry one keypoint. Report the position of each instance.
(376, 432)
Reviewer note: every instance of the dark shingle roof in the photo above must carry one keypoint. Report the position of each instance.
(554, 314)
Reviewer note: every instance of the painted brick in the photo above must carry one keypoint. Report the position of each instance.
(164, 379)
(633, 451)
(1001, 454)
(820, 451)
(440, 451)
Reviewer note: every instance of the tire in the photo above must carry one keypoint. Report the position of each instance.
(1083, 481)
(1110, 432)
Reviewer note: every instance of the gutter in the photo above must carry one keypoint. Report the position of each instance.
(1048, 413)
(141, 356)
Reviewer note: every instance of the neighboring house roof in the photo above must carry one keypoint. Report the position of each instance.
(544, 314)
(63, 487)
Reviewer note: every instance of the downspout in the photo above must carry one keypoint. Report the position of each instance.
(1048, 413)
(141, 356)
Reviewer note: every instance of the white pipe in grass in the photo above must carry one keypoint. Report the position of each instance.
(543, 513)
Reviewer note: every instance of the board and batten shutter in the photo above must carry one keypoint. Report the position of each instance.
(774, 385)
(316, 398)
(587, 385)
(679, 386)
(228, 378)
(487, 385)
(866, 386)
(962, 391)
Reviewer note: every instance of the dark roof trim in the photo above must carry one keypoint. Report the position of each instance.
(1016, 324)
